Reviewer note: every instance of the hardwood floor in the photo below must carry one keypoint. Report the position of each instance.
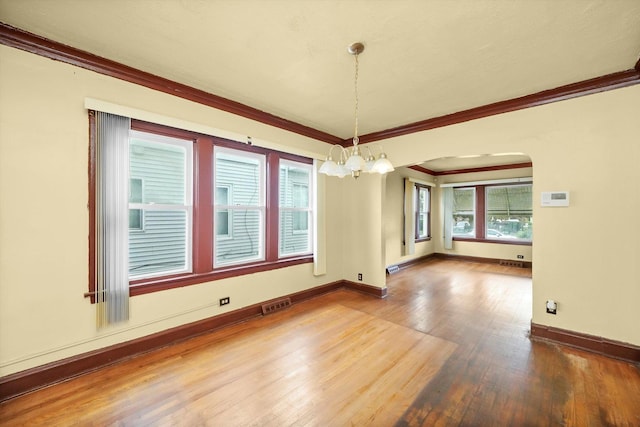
(448, 346)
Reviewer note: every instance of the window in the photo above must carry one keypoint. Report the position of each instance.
(295, 208)
(464, 212)
(493, 213)
(165, 202)
(203, 208)
(423, 212)
(509, 212)
(245, 172)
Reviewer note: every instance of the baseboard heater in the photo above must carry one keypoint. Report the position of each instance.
(277, 305)
(393, 269)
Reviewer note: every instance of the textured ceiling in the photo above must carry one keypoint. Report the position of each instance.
(423, 58)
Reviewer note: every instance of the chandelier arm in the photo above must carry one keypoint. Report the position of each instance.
(334, 146)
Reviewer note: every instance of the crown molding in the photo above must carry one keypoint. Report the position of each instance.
(29, 42)
(471, 170)
(32, 43)
(423, 170)
(486, 168)
(574, 90)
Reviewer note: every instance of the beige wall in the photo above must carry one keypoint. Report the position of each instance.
(588, 146)
(394, 217)
(585, 256)
(44, 219)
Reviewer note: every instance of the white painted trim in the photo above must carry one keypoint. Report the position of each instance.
(147, 116)
(489, 181)
(419, 181)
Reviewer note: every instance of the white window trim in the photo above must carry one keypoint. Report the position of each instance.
(310, 231)
(222, 152)
(187, 205)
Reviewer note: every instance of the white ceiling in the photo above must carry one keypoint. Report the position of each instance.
(423, 58)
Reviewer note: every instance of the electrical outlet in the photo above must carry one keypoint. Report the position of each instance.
(552, 307)
(359, 276)
(225, 301)
(520, 256)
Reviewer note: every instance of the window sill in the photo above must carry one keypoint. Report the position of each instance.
(501, 242)
(423, 239)
(146, 286)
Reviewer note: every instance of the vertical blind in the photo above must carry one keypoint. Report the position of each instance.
(112, 218)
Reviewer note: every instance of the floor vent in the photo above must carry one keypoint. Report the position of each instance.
(510, 263)
(393, 269)
(277, 305)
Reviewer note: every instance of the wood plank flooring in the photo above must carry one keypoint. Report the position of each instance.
(448, 346)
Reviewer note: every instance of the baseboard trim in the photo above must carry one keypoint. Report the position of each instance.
(525, 264)
(604, 346)
(19, 383)
(366, 289)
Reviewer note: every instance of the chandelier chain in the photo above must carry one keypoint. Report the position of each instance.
(355, 112)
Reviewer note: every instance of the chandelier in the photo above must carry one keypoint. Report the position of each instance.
(351, 160)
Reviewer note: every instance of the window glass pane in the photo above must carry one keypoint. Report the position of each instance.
(239, 206)
(159, 205)
(295, 209)
(509, 212)
(135, 196)
(223, 226)
(464, 212)
(242, 171)
(294, 241)
(162, 246)
(162, 167)
(245, 241)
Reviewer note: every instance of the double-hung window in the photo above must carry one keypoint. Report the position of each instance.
(464, 212)
(202, 208)
(243, 210)
(502, 213)
(509, 212)
(164, 165)
(295, 208)
(423, 212)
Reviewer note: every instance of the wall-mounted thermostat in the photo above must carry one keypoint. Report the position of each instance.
(555, 198)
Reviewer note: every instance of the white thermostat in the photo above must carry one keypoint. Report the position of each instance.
(555, 198)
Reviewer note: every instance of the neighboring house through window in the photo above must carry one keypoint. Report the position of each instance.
(247, 208)
(295, 208)
(136, 220)
(164, 164)
(223, 219)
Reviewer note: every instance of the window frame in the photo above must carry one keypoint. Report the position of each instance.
(418, 212)
(203, 228)
(480, 220)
